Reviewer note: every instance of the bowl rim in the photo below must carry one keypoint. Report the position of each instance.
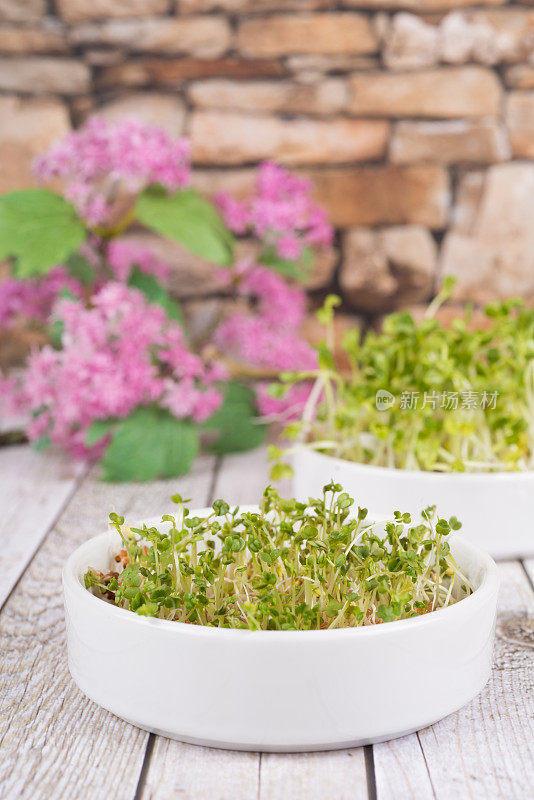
(73, 587)
(421, 474)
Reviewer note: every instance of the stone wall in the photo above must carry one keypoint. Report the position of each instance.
(415, 119)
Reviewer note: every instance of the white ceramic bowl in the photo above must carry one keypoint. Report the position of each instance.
(496, 509)
(279, 690)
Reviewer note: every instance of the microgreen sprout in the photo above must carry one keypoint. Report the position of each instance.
(468, 394)
(288, 566)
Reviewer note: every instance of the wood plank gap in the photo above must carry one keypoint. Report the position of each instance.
(144, 767)
(258, 795)
(370, 771)
(34, 490)
(431, 782)
(214, 479)
(31, 554)
(528, 569)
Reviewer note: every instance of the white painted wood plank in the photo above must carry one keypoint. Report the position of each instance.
(401, 771)
(190, 772)
(485, 750)
(54, 743)
(242, 477)
(13, 423)
(34, 487)
(335, 775)
(528, 563)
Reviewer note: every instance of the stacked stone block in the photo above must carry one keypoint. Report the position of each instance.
(414, 118)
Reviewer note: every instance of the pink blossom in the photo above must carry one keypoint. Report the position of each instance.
(95, 159)
(34, 298)
(124, 255)
(289, 406)
(89, 250)
(281, 212)
(236, 214)
(215, 373)
(268, 335)
(207, 403)
(257, 341)
(288, 246)
(185, 399)
(183, 364)
(114, 358)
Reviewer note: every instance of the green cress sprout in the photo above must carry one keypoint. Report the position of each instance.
(288, 566)
(471, 391)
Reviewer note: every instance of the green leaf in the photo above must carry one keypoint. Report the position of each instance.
(190, 220)
(300, 270)
(234, 422)
(98, 429)
(80, 269)
(156, 293)
(150, 443)
(386, 613)
(55, 330)
(38, 228)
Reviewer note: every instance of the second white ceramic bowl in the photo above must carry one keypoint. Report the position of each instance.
(496, 509)
(279, 690)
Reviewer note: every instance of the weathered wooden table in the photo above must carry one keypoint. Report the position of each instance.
(54, 743)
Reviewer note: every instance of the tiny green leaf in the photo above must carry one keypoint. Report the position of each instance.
(98, 429)
(300, 269)
(80, 269)
(235, 421)
(55, 330)
(156, 293)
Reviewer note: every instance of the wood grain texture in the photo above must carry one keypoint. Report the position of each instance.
(242, 477)
(34, 488)
(54, 743)
(335, 775)
(191, 772)
(485, 750)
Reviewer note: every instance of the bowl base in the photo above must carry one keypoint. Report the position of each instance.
(261, 747)
(280, 748)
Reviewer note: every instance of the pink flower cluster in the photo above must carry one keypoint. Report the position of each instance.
(288, 407)
(117, 355)
(34, 299)
(124, 255)
(96, 158)
(268, 336)
(281, 213)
